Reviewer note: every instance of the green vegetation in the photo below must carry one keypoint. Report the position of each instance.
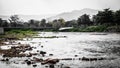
(99, 28)
(105, 20)
(18, 33)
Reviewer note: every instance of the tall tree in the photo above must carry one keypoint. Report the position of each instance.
(14, 20)
(83, 20)
(56, 24)
(43, 23)
(104, 17)
(117, 17)
(5, 23)
(49, 24)
(31, 23)
(1, 21)
(61, 21)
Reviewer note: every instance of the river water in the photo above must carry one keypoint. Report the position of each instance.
(73, 45)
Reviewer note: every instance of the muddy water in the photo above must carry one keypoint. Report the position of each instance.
(75, 45)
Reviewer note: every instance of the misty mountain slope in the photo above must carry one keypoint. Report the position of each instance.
(28, 17)
(74, 14)
(50, 17)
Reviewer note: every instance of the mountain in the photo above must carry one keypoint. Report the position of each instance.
(50, 17)
(74, 14)
(35, 17)
(4, 17)
(28, 17)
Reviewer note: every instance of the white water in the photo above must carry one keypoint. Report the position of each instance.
(76, 43)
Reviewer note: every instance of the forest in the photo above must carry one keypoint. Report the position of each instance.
(106, 20)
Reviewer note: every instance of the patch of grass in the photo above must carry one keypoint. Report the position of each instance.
(113, 29)
(19, 33)
(100, 28)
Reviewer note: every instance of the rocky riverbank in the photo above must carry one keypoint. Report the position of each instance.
(58, 51)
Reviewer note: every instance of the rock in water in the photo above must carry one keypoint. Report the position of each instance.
(34, 65)
(28, 62)
(51, 66)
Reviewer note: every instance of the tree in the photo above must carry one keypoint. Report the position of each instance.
(43, 23)
(15, 20)
(49, 24)
(36, 23)
(117, 17)
(26, 24)
(5, 23)
(104, 17)
(1, 21)
(31, 23)
(56, 24)
(95, 20)
(61, 21)
(71, 23)
(83, 20)
(79, 21)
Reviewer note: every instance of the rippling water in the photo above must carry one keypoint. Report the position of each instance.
(75, 45)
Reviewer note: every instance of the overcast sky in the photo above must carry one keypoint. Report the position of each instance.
(38, 7)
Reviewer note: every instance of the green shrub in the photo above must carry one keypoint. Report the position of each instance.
(99, 28)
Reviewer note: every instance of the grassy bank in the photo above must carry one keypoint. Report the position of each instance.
(98, 28)
(22, 33)
(18, 33)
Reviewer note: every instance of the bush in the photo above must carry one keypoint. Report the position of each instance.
(99, 28)
(113, 29)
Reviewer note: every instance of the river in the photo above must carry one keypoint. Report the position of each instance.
(73, 45)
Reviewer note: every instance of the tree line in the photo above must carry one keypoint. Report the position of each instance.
(106, 17)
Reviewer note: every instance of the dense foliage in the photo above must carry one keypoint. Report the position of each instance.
(98, 22)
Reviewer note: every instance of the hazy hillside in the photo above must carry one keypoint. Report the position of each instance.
(74, 14)
(27, 17)
(66, 15)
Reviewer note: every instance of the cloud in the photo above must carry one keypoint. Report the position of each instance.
(32, 7)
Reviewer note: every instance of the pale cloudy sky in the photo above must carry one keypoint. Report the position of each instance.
(38, 7)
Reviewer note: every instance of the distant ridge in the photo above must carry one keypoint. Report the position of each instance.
(74, 14)
(50, 17)
(27, 17)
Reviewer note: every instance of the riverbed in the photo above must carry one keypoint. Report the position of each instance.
(72, 45)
